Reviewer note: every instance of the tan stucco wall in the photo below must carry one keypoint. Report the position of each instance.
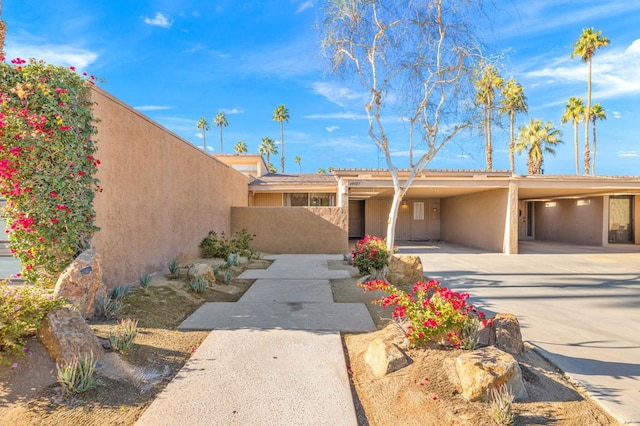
(377, 215)
(294, 229)
(267, 199)
(475, 220)
(161, 194)
(567, 222)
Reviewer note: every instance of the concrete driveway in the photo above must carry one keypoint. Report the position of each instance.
(580, 306)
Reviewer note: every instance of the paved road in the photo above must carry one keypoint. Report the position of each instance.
(579, 305)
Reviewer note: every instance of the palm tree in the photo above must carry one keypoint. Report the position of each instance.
(574, 112)
(321, 171)
(513, 101)
(281, 114)
(298, 161)
(488, 81)
(204, 126)
(240, 147)
(597, 113)
(268, 147)
(220, 120)
(586, 47)
(537, 139)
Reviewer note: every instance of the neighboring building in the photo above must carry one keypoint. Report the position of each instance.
(489, 210)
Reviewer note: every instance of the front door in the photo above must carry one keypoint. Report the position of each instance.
(621, 219)
(356, 218)
(525, 220)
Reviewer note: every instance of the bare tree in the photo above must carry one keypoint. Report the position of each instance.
(420, 52)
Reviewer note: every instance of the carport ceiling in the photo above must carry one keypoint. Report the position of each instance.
(414, 192)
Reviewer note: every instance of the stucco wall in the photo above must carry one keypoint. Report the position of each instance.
(377, 214)
(161, 194)
(294, 229)
(569, 222)
(475, 220)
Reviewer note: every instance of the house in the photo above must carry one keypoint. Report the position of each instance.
(491, 210)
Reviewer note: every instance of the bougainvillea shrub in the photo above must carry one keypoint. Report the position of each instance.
(47, 165)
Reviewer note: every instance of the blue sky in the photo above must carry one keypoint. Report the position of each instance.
(176, 61)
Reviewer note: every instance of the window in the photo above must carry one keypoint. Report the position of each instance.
(418, 210)
(306, 199)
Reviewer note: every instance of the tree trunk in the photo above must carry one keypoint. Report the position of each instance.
(393, 218)
(575, 140)
(587, 120)
(221, 150)
(204, 141)
(593, 157)
(282, 147)
(512, 118)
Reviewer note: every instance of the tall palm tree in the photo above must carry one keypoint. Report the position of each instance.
(597, 113)
(298, 161)
(268, 147)
(574, 112)
(281, 114)
(240, 148)
(537, 139)
(486, 84)
(513, 101)
(204, 126)
(220, 120)
(586, 47)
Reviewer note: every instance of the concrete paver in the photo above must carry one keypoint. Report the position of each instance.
(578, 305)
(275, 357)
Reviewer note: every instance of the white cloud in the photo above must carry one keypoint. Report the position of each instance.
(351, 160)
(627, 154)
(616, 114)
(338, 115)
(232, 111)
(304, 6)
(331, 129)
(339, 95)
(57, 54)
(152, 107)
(159, 20)
(614, 72)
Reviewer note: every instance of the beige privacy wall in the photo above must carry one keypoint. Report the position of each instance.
(161, 194)
(476, 220)
(294, 229)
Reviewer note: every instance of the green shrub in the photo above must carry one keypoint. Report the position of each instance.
(21, 312)
(173, 268)
(121, 339)
(77, 376)
(500, 405)
(370, 255)
(198, 284)
(220, 246)
(145, 281)
(119, 292)
(111, 308)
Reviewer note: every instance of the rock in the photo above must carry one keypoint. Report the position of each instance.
(486, 334)
(384, 358)
(405, 269)
(508, 336)
(66, 335)
(202, 270)
(487, 368)
(81, 284)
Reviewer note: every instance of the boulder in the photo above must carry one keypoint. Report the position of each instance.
(384, 358)
(66, 335)
(202, 270)
(483, 369)
(405, 269)
(486, 334)
(508, 336)
(81, 284)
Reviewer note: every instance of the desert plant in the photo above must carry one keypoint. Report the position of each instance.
(198, 284)
(173, 268)
(121, 339)
(111, 308)
(21, 312)
(145, 281)
(220, 246)
(119, 292)
(500, 405)
(429, 313)
(370, 255)
(78, 375)
(469, 333)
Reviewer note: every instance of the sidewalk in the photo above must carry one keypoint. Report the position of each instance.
(275, 357)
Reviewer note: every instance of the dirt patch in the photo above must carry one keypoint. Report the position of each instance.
(127, 384)
(427, 392)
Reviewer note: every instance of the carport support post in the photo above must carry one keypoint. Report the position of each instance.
(510, 244)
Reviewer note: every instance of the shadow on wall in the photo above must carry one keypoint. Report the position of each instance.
(281, 230)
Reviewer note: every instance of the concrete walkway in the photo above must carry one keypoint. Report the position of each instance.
(274, 358)
(580, 306)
